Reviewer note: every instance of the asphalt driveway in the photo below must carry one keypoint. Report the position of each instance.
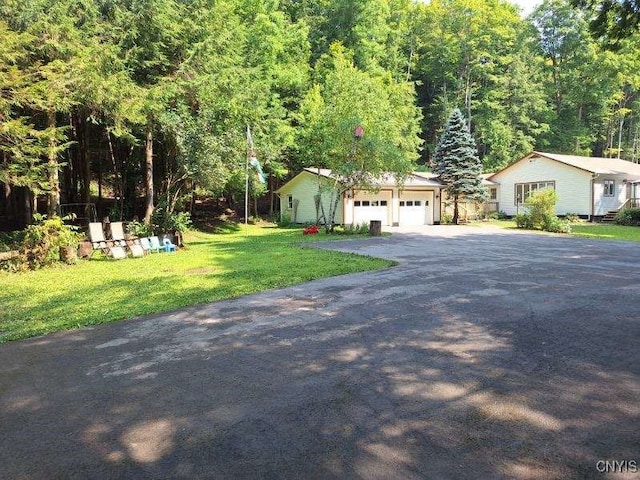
(485, 354)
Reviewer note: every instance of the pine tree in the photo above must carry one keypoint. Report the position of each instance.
(457, 163)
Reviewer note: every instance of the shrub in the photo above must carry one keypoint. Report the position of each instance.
(42, 242)
(552, 223)
(171, 222)
(497, 216)
(629, 216)
(523, 220)
(572, 217)
(357, 229)
(362, 228)
(540, 205)
(139, 229)
(285, 220)
(446, 219)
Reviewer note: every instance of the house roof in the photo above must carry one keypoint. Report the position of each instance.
(486, 181)
(415, 179)
(595, 165)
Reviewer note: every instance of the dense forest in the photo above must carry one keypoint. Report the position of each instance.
(143, 105)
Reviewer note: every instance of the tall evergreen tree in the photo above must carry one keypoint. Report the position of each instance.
(457, 163)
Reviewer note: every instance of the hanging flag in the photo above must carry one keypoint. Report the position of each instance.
(253, 160)
(256, 164)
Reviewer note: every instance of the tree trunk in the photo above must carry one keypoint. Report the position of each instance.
(53, 205)
(85, 163)
(620, 135)
(455, 210)
(28, 207)
(149, 178)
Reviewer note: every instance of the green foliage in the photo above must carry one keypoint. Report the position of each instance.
(284, 220)
(357, 229)
(171, 222)
(611, 20)
(551, 223)
(344, 97)
(82, 83)
(446, 219)
(628, 216)
(541, 213)
(523, 220)
(541, 205)
(572, 217)
(497, 216)
(41, 243)
(139, 229)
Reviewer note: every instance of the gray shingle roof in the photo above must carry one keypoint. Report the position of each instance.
(606, 166)
(415, 179)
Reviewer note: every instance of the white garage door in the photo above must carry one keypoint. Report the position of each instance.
(371, 207)
(416, 208)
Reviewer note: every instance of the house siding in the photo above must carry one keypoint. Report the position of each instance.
(572, 185)
(303, 188)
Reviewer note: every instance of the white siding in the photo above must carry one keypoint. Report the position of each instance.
(303, 188)
(573, 185)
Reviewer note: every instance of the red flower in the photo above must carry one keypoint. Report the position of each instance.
(312, 230)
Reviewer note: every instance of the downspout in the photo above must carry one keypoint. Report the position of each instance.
(593, 196)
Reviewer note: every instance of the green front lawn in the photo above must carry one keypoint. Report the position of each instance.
(212, 267)
(606, 231)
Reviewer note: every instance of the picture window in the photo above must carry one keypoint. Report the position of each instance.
(525, 190)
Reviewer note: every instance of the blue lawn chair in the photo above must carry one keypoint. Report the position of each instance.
(168, 245)
(154, 244)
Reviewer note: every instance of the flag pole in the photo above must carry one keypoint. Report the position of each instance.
(246, 183)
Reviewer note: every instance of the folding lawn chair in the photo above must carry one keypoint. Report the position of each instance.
(117, 234)
(96, 235)
(136, 250)
(117, 252)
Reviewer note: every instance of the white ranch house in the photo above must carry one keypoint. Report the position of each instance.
(587, 186)
(417, 202)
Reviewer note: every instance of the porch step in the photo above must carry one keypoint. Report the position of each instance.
(610, 216)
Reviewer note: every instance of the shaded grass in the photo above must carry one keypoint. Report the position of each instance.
(212, 267)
